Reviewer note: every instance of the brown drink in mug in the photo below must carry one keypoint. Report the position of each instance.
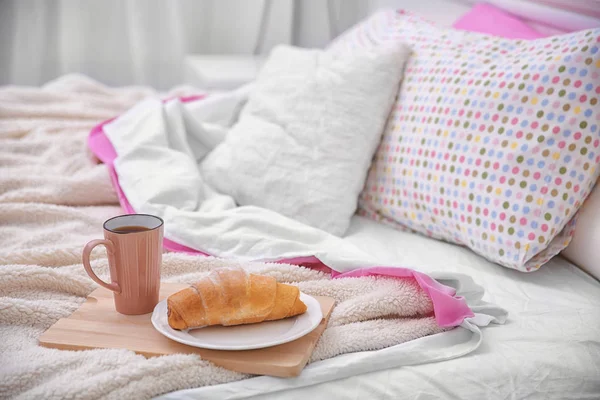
(134, 247)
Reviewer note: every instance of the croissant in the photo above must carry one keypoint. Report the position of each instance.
(231, 296)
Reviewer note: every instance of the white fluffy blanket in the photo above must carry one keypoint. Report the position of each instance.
(54, 198)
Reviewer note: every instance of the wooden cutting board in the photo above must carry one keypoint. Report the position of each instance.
(97, 325)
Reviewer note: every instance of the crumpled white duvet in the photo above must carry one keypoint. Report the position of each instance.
(159, 146)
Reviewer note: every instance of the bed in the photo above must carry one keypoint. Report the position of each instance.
(549, 348)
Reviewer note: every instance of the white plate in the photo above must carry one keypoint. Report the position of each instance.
(243, 337)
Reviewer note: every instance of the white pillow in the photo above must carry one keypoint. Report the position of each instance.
(306, 136)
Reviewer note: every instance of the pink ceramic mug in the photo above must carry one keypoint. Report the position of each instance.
(134, 246)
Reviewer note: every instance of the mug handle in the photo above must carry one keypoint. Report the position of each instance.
(87, 250)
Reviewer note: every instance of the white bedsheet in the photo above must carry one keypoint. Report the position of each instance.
(548, 349)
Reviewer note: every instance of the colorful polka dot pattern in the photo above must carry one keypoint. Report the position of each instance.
(493, 143)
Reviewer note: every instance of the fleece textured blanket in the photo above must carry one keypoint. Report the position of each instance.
(54, 198)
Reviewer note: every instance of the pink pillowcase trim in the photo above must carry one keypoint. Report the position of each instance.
(485, 18)
(449, 310)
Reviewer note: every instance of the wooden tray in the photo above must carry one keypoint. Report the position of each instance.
(96, 324)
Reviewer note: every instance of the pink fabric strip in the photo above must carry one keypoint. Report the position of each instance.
(449, 310)
(489, 19)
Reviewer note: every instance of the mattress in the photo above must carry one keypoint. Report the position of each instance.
(548, 349)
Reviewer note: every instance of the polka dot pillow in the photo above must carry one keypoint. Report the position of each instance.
(492, 143)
